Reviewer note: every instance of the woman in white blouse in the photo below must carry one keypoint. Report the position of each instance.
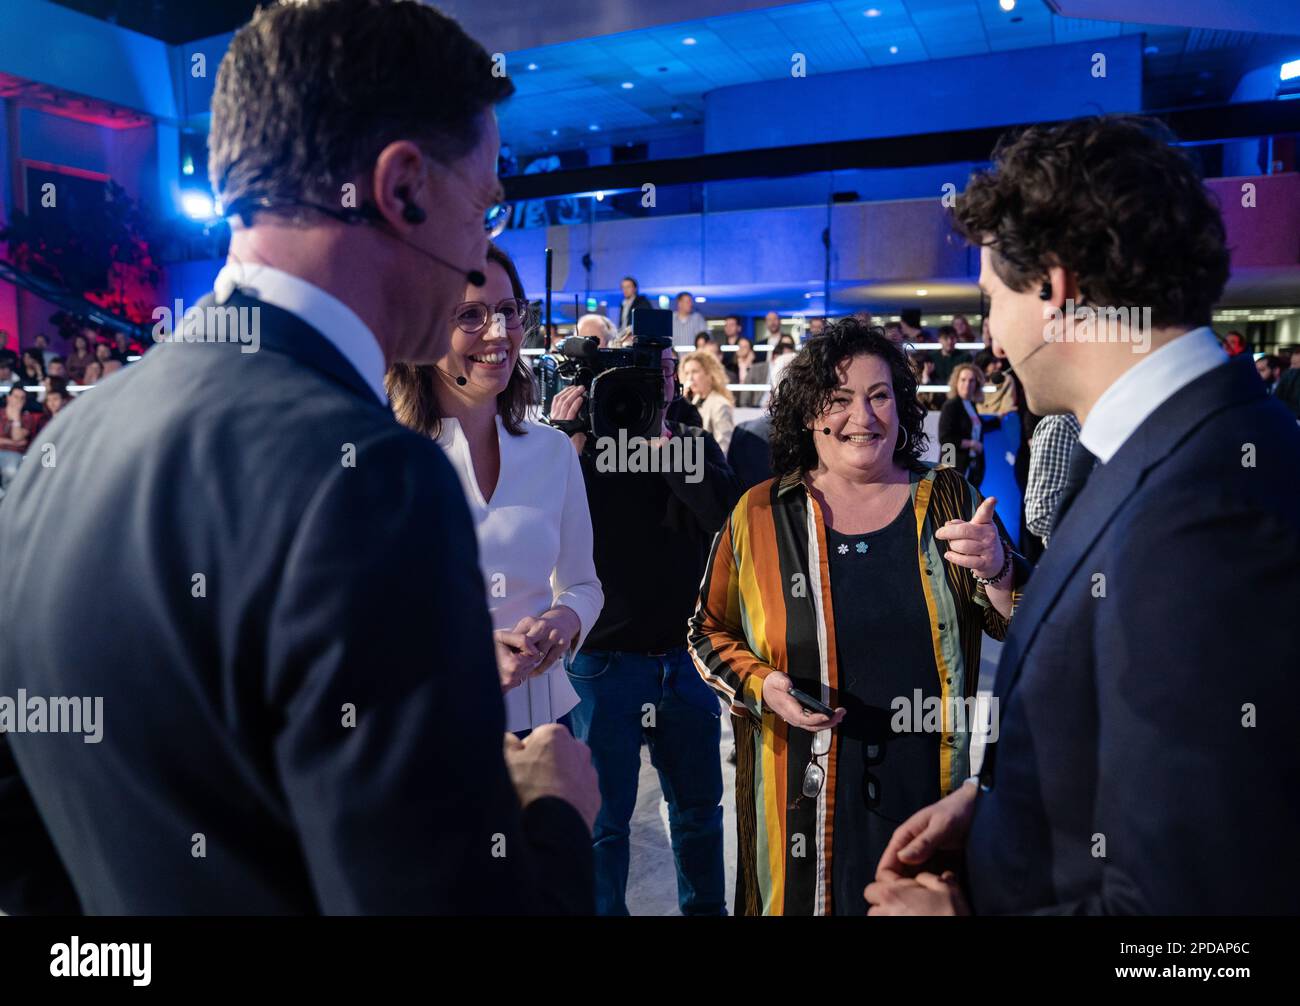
(524, 487)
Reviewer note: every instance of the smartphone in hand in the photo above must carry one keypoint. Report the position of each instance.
(811, 704)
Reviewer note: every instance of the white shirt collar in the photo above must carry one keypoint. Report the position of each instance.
(322, 311)
(1127, 403)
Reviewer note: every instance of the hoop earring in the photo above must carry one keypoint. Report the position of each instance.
(905, 439)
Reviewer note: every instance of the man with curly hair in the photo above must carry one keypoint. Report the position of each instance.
(1141, 764)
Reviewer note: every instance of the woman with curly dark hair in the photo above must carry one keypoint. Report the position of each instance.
(861, 578)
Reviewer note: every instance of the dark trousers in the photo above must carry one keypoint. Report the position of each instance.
(630, 696)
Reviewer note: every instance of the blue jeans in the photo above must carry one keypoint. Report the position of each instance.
(627, 696)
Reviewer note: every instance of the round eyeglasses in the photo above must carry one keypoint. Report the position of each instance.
(814, 776)
(473, 316)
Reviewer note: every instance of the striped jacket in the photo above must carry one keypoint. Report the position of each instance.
(765, 605)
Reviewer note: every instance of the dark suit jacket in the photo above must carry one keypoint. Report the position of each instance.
(624, 319)
(1125, 778)
(1288, 391)
(954, 427)
(750, 452)
(206, 556)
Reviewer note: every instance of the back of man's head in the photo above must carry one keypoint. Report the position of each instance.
(309, 93)
(596, 325)
(1110, 199)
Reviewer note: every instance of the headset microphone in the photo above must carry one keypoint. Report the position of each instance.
(1010, 367)
(460, 381)
(826, 430)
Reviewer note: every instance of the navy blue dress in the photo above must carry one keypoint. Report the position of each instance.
(882, 639)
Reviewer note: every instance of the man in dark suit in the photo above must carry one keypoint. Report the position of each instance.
(1142, 762)
(750, 452)
(632, 299)
(271, 588)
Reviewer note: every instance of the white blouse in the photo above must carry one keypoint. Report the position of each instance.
(535, 549)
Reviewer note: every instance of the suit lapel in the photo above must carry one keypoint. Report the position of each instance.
(1106, 492)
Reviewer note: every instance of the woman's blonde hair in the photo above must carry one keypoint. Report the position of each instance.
(717, 375)
(955, 377)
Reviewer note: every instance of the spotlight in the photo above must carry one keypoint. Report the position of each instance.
(688, 40)
(893, 50)
(1007, 5)
(872, 12)
(627, 85)
(198, 205)
(1290, 71)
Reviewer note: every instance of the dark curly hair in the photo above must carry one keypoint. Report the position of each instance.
(810, 380)
(1112, 200)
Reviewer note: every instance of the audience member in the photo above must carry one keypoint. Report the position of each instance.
(1270, 369)
(80, 358)
(705, 384)
(961, 326)
(20, 426)
(749, 370)
(31, 366)
(56, 398)
(93, 373)
(771, 328)
(910, 324)
(961, 431)
(632, 299)
(687, 322)
(732, 329)
(948, 355)
(42, 344)
(1049, 467)
(56, 367)
(1235, 344)
(1288, 389)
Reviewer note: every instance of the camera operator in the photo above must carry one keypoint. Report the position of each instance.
(652, 533)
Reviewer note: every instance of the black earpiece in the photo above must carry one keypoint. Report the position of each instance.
(413, 214)
(826, 430)
(1046, 292)
(461, 381)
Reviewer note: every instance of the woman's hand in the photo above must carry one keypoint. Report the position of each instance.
(516, 658)
(551, 633)
(776, 697)
(975, 543)
(566, 405)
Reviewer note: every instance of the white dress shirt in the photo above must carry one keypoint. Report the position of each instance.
(322, 311)
(535, 549)
(1142, 389)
